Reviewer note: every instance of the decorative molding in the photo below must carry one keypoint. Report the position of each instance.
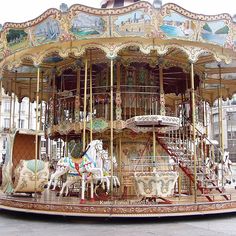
(115, 208)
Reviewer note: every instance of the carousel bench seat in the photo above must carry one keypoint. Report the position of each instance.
(27, 180)
(159, 183)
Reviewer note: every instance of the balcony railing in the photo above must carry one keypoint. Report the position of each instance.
(133, 100)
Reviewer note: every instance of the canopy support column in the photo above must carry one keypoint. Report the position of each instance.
(10, 120)
(118, 95)
(111, 124)
(221, 129)
(29, 108)
(85, 101)
(14, 102)
(194, 131)
(91, 96)
(41, 103)
(36, 128)
(154, 145)
(78, 96)
(162, 93)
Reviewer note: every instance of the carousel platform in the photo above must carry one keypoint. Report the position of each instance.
(49, 204)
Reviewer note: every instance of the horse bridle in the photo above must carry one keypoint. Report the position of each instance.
(96, 146)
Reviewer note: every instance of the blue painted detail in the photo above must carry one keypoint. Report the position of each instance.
(31, 165)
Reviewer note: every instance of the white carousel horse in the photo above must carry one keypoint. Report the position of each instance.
(224, 170)
(210, 166)
(105, 163)
(74, 177)
(88, 165)
(108, 162)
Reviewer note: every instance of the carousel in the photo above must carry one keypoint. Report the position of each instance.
(129, 89)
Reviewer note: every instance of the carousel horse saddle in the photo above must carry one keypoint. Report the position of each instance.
(77, 160)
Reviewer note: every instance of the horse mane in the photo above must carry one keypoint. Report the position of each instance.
(83, 153)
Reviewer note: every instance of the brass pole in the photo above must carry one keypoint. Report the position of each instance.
(91, 97)
(221, 129)
(106, 105)
(41, 104)
(53, 95)
(36, 129)
(194, 132)
(77, 98)
(154, 144)
(125, 93)
(120, 160)
(14, 101)
(60, 147)
(0, 99)
(85, 102)
(118, 92)
(78, 81)
(29, 108)
(19, 125)
(10, 121)
(221, 112)
(162, 94)
(112, 134)
(66, 147)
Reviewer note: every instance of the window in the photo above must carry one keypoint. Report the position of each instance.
(231, 116)
(59, 144)
(4, 144)
(215, 118)
(21, 124)
(6, 123)
(22, 107)
(7, 106)
(232, 144)
(43, 144)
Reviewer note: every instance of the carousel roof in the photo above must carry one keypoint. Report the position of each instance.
(138, 34)
(116, 3)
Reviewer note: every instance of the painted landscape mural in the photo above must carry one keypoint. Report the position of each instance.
(17, 39)
(177, 26)
(216, 32)
(47, 31)
(84, 25)
(137, 22)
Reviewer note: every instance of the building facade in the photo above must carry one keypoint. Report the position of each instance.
(229, 125)
(24, 118)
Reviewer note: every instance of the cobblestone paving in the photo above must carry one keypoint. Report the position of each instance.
(18, 224)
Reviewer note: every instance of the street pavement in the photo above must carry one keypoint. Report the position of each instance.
(18, 224)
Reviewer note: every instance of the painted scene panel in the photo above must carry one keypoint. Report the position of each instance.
(46, 32)
(17, 39)
(85, 25)
(133, 23)
(215, 32)
(178, 26)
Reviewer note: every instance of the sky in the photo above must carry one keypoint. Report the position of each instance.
(24, 10)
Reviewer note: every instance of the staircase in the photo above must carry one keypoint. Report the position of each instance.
(179, 146)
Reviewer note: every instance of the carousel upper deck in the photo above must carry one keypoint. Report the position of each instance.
(140, 78)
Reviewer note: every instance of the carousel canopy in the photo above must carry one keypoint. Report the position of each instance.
(116, 3)
(137, 36)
